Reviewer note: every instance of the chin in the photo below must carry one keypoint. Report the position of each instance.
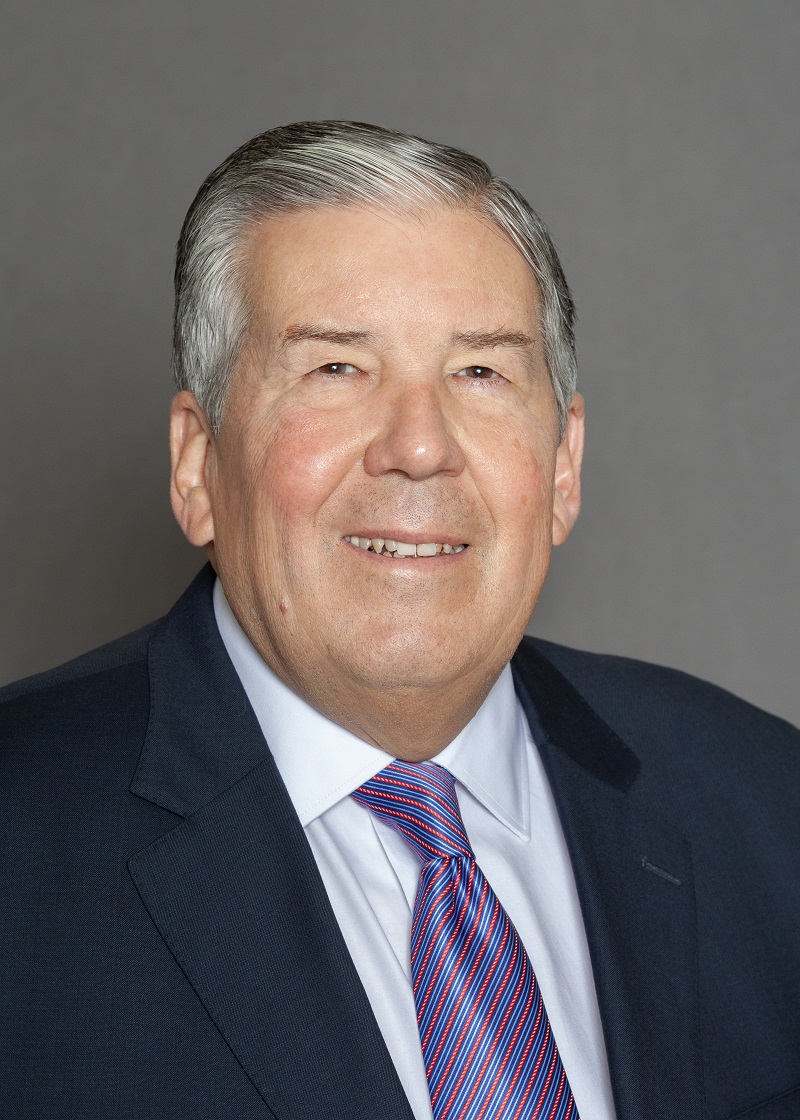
(414, 661)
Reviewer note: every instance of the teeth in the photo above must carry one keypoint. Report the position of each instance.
(403, 549)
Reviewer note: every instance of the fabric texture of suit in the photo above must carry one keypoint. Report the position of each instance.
(168, 949)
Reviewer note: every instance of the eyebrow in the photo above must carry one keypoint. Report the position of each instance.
(490, 340)
(478, 340)
(316, 332)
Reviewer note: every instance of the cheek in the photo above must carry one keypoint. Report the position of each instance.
(523, 519)
(530, 520)
(301, 466)
(520, 479)
(528, 546)
(534, 494)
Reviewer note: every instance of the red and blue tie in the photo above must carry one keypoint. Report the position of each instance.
(486, 1040)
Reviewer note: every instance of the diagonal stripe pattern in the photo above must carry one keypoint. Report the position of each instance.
(486, 1040)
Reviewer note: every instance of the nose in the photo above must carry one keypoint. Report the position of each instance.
(414, 436)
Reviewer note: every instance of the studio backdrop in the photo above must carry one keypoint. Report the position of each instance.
(660, 142)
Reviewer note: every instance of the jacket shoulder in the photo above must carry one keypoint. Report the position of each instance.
(654, 707)
(117, 654)
(705, 757)
(86, 716)
(606, 675)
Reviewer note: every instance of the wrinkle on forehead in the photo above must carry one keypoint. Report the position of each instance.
(395, 214)
(309, 283)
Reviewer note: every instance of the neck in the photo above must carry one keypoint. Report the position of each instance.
(412, 724)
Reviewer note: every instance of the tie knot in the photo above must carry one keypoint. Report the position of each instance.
(419, 800)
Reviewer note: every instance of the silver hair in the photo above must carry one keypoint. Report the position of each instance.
(337, 163)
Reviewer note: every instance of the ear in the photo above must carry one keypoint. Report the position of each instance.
(567, 500)
(191, 444)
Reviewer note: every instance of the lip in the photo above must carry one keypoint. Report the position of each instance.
(453, 553)
(410, 563)
(405, 537)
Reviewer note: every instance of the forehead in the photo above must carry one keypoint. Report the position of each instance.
(359, 264)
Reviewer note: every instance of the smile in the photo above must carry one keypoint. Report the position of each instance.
(402, 549)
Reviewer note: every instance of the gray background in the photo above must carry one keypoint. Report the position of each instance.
(659, 141)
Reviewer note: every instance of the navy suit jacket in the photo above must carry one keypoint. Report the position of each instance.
(169, 951)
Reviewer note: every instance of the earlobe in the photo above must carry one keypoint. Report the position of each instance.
(191, 444)
(567, 496)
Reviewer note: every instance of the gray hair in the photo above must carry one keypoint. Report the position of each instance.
(337, 163)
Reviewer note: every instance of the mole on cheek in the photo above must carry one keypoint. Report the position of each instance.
(516, 445)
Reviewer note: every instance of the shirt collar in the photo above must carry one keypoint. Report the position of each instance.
(321, 763)
(489, 756)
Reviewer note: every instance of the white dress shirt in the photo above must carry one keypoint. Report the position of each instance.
(371, 873)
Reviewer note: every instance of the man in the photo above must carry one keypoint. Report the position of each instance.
(575, 892)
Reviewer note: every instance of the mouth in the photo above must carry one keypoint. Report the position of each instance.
(404, 550)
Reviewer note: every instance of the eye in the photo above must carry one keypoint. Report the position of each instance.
(336, 369)
(479, 373)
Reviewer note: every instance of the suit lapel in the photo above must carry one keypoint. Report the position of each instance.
(634, 879)
(236, 895)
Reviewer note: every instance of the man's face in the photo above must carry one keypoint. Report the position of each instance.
(394, 389)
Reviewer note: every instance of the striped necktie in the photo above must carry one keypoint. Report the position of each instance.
(486, 1040)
